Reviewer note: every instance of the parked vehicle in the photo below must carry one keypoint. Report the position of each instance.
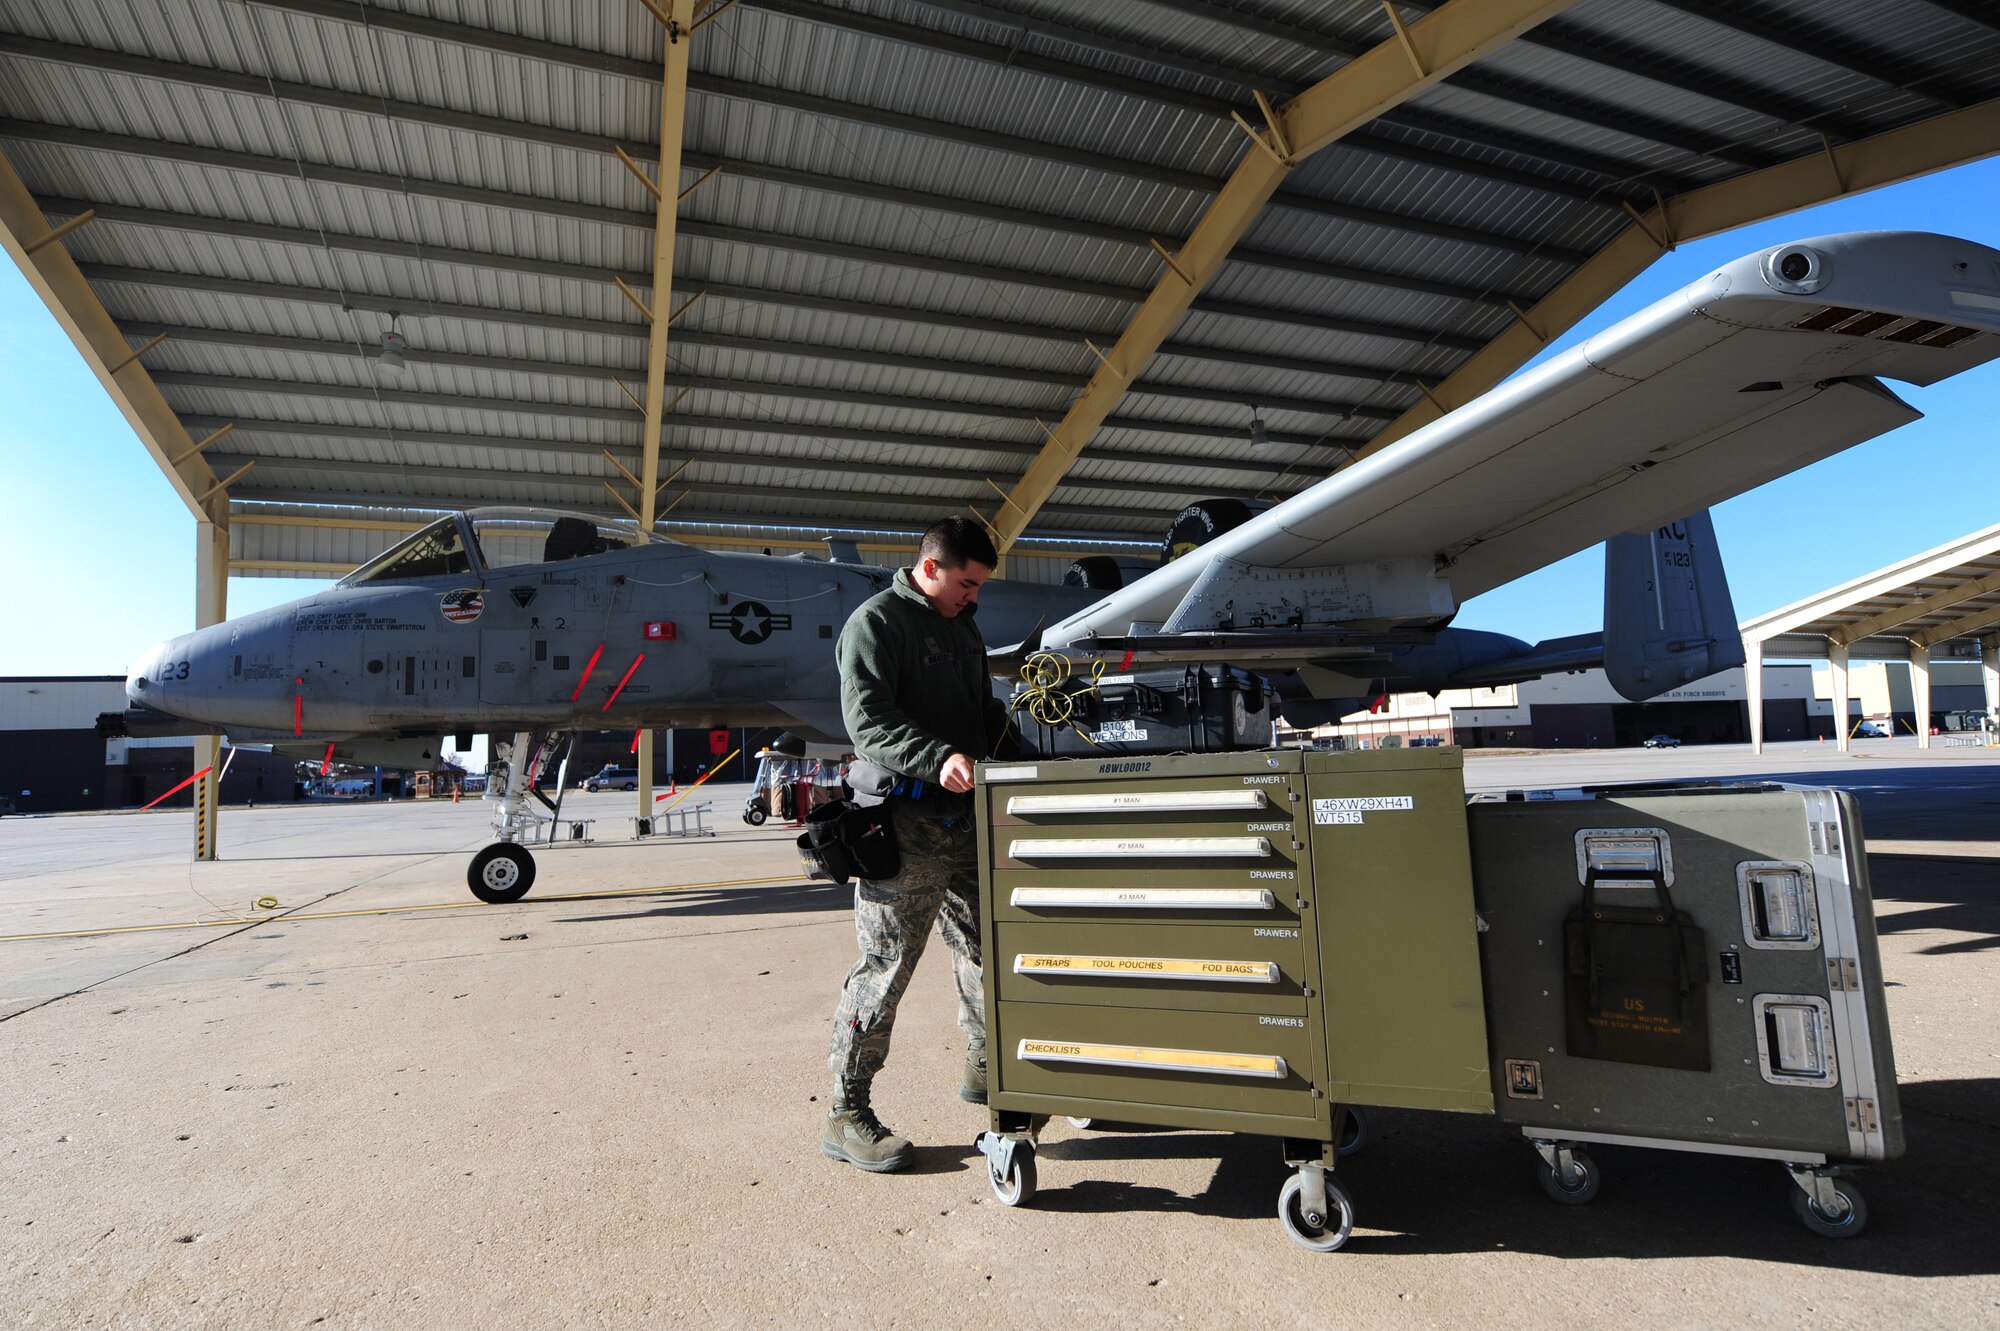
(1424, 742)
(1869, 730)
(612, 777)
(1664, 742)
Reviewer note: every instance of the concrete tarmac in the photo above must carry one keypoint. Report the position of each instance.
(382, 1104)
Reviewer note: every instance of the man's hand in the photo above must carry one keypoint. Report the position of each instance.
(957, 773)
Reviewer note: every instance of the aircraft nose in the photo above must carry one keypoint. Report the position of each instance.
(152, 676)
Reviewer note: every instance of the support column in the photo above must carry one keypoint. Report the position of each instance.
(1920, 690)
(678, 16)
(1989, 675)
(1837, 658)
(211, 606)
(1753, 689)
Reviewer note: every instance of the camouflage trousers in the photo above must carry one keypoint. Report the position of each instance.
(892, 922)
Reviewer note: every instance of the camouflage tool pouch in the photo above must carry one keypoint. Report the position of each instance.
(1637, 983)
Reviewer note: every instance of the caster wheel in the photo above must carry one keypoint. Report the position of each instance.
(1851, 1221)
(1353, 1134)
(1576, 1188)
(1017, 1186)
(1316, 1233)
(1076, 1122)
(755, 817)
(501, 873)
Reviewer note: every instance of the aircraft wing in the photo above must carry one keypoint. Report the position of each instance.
(1763, 367)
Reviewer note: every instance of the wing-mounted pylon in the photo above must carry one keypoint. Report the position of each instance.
(1668, 616)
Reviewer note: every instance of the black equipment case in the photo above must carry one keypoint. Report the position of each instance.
(1199, 709)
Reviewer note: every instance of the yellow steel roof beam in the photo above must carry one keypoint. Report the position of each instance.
(1422, 53)
(677, 17)
(1903, 614)
(36, 248)
(1957, 628)
(1853, 168)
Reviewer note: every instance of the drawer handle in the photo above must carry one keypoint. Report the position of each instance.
(1099, 848)
(1147, 968)
(1144, 898)
(1157, 801)
(1269, 1066)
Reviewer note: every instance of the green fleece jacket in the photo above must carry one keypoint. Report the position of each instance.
(913, 684)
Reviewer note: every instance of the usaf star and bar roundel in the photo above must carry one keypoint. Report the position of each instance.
(749, 622)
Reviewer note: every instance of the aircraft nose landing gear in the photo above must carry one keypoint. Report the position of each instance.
(504, 871)
(500, 873)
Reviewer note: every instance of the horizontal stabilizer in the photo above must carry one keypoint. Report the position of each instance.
(1552, 656)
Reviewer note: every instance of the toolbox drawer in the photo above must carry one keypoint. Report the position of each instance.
(1215, 968)
(1272, 896)
(1227, 1063)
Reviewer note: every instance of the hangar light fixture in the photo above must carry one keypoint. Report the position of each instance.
(389, 360)
(1259, 440)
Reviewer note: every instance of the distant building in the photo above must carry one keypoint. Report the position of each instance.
(52, 759)
(1582, 710)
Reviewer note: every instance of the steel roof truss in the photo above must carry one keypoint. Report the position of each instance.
(1447, 40)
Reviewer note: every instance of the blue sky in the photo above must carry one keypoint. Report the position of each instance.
(100, 552)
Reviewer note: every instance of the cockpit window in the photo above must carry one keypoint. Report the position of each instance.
(437, 549)
(508, 537)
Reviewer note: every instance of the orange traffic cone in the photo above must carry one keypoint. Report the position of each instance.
(673, 785)
(456, 792)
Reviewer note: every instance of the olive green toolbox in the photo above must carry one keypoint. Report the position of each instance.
(1243, 942)
(1690, 968)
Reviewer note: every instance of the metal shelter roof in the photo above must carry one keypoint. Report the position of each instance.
(1950, 595)
(928, 255)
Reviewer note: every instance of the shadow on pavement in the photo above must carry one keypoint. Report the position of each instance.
(1957, 893)
(1437, 1183)
(774, 899)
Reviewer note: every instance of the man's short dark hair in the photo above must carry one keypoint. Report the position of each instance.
(956, 542)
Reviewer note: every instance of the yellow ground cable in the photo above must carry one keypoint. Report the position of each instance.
(394, 910)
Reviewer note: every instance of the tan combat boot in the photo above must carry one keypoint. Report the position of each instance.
(972, 1082)
(855, 1135)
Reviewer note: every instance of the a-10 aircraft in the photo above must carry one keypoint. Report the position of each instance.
(531, 625)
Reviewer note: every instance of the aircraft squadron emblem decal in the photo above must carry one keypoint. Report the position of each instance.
(749, 622)
(463, 605)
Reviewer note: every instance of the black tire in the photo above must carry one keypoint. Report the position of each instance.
(1353, 1134)
(1333, 1227)
(501, 873)
(1097, 573)
(1199, 523)
(1017, 1186)
(1580, 1188)
(755, 815)
(630, 785)
(1845, 1226)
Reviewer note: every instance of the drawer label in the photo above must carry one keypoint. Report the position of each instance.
(1351, 811)
(1147, 968)
(1165, 1060)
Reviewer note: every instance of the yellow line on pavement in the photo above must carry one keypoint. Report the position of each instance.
(394, 910)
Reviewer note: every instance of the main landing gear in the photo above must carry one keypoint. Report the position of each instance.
(504, 871)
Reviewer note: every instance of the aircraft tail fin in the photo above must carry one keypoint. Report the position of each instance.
(1668, 616)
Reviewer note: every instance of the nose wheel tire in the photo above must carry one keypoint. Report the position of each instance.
(1851, 1221)
(755, 816)
(1576, 1187)
(501, 873)
(1321, 1233)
